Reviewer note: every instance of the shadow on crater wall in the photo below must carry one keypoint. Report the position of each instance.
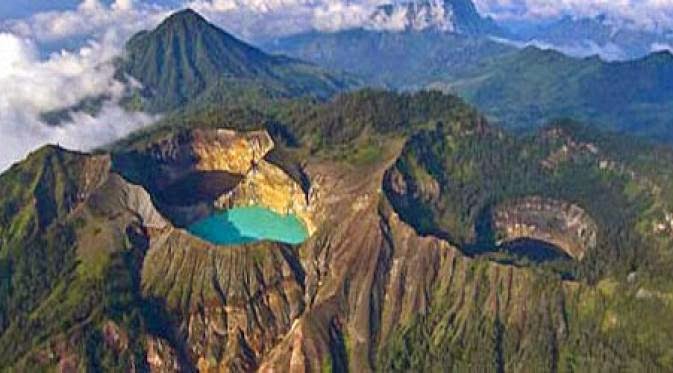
(534, 250)
(197, 187)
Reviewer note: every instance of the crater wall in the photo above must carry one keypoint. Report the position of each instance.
(195, 173)
(560, 223)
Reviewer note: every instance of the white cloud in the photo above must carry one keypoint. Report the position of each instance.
(123, 5)
(254, 19)
(336, 16)
(259, 18)
(648, 14)
(91, 19)
(31, 86)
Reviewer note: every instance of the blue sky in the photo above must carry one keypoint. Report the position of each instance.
(24, 8)
(528, 9)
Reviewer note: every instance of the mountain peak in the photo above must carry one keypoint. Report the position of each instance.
(185, 14)
(186, 53)
(184, 18)
(663, 55)
(186, 56)
(459, 16)
(414, 15)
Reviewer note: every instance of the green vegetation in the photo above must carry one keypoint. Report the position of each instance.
(476, 171)
(187, 60)
(532, 87)
(69, 270)
(53, 290)
(604, 329)
(400, 60)
(522, 89)
(611, 324)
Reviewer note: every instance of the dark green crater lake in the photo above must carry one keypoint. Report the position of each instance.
(249, 224)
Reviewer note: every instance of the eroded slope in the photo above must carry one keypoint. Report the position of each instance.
(402, 272)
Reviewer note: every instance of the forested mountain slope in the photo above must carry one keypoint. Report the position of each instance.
(415, 264)
(520, 88)
(187, 60)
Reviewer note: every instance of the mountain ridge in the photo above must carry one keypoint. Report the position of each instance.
(186, 57)
(402, 273)
(612, 39)
(520, 88)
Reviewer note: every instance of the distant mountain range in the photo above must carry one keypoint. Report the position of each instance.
(521, 88)
(398, 60)
(186, 59)
(610, 39)
(530, 87)
(445, 45)
(606, 36)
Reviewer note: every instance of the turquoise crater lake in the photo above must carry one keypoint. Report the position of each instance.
(243, 225)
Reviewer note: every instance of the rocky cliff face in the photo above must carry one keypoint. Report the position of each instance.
(232, 304)
(368, 273)
(226, 168)
(566, 225)
(269, 186)
(179, 154)
(229, 151)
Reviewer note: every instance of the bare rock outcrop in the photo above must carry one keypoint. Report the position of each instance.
(563, 224)
(119, 195)
(197, 172)
(229, 299)
(335, 301)
(271, 187)
(230, 151)
(368, 274)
